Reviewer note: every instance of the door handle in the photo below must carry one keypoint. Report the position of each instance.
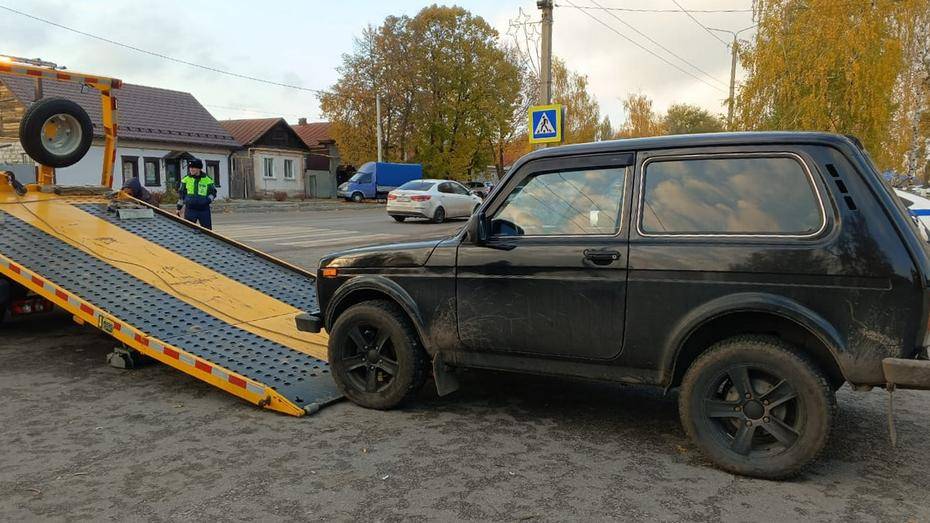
(598, 257)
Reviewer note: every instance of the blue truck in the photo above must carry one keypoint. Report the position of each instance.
(376, 179)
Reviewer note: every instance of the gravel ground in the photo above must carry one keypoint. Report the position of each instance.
(82, 440)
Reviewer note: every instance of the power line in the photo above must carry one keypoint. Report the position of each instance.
(634, 10)
(695, 20)
(666, 49)
(650, 51)
(163, 56)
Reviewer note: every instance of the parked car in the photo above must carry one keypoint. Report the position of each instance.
(754, 272)
(918, 206)
(374, 180)
(435, 200)
(482, 189)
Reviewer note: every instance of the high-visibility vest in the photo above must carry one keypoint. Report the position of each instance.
(197, 186)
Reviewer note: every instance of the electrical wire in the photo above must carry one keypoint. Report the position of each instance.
(698, 22)
(650, 51)
(163, 56)
(666, 49)
(635, 10)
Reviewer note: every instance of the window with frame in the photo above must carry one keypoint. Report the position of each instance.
(458, 188)
(289, 169)
(150, 168)
(268, 167)
(729, 195)
(213, 171)
(130, 167)
(570, 202)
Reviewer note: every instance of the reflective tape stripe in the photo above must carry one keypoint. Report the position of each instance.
(139, 337)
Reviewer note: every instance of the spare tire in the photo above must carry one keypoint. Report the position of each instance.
(56, 132)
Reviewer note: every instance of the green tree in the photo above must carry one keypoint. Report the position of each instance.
(582, 113)
(448, 92)
(688, 119)
(641, 119)
(605, 131)
(825, 65)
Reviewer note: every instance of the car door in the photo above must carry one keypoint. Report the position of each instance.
(551, 278)
(446, 199)
(466, 202)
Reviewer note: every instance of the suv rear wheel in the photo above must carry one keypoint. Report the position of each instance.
(757, 407)
(375, 356)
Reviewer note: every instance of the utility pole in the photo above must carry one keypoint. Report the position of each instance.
(378, 117)
(545, 61)
(734, 51)
(732, 82)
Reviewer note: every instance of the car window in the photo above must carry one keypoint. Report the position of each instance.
(458, 189)
(766, 196)
(563, 203)
(362, 178)
(906, 201)
(416, 185)
(445, 187)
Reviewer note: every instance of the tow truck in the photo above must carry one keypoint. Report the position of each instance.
(162, 287)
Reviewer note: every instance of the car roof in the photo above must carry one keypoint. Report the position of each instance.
(696, 140)
(920, 201)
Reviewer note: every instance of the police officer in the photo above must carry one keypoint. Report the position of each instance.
(195, 195)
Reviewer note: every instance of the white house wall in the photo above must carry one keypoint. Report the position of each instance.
(87, 171)
(292, 186)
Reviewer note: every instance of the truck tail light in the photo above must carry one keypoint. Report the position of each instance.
(392, 196)
(420, 198)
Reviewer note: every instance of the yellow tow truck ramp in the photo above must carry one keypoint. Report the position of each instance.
(171, 290)
(175, 292)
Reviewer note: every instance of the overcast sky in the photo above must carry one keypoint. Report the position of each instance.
(301, 43)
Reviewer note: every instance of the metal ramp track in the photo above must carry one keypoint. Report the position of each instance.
(241, 265)
(162, 326)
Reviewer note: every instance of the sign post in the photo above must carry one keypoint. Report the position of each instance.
(545, 123)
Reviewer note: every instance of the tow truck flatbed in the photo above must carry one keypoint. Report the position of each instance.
(185, 296)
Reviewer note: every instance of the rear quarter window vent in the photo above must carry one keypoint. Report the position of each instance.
(841, 186)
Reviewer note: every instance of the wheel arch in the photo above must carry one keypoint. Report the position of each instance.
(372, 287)
(754, 313)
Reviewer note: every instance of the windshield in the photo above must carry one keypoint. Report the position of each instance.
(416, 185)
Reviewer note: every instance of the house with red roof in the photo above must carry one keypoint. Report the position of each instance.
(159, 131)
(271, 158)
(324, 166)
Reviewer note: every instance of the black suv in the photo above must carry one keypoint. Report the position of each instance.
(755, 272)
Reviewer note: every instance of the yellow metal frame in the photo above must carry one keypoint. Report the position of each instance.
(557, 123)
(107, 105)
(84, 312)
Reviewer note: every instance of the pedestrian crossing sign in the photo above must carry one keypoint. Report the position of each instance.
(545, 123)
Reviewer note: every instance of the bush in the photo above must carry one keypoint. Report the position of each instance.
(280, 196)
(169, 196)
(157, 198)
(259, 196)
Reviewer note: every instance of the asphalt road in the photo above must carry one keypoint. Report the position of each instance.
(81, 440)
(302, 237)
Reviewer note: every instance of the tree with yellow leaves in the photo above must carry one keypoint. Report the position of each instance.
(826, 65)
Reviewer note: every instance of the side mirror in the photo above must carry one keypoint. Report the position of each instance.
(478, 229)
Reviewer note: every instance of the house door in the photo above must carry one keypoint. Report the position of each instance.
(172, 173)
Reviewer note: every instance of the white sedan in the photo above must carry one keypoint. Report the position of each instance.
(435, 200)
(918, 206)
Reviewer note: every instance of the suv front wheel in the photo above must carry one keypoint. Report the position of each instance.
(756, 406)
(375, 356)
